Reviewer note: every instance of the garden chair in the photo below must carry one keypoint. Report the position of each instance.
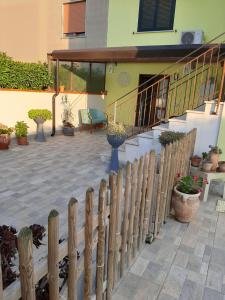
(92, 118)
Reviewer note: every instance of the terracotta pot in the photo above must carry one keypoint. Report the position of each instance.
(195, 161)
(222, 166)
(4, 141)
(207, 166)
(61, 88)
(214, 158)
(22, 140)
(185, 205)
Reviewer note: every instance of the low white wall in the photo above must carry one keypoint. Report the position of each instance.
(14, 106)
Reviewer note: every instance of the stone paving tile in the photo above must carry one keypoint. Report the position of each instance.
(186, 262)
(42, 176)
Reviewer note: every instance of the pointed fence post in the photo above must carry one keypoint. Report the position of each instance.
(72, 249)
(101, 241)
(88, 244)
(25, 245)
(53, 255)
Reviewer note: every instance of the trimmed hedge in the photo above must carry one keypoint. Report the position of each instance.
(21, 75)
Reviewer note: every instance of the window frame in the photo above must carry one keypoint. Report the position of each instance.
(155, 28)
(72, 35)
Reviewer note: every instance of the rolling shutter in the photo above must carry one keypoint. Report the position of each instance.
(74, 17)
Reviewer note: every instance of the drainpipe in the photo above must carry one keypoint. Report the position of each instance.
(56, 85)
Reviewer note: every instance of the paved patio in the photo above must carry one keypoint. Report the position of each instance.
(42, 176)
(186, 262)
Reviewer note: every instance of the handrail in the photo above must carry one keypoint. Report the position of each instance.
(209, 44)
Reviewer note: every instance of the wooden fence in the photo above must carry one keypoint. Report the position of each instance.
(132, 205)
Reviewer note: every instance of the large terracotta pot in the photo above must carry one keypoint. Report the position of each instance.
(214, 158)
(195, 161)
(22, 140)
(185, 205)
(4, 141)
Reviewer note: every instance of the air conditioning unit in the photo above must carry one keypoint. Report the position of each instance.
(191, 37)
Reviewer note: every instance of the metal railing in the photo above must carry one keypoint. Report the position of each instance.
(186, 84)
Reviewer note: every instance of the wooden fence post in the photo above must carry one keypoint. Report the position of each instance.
(118, 223)
(149, 194)
(25, 244)
(1, 282)
(101, 241)
(137, 206)
(72, 249)
(112, 236)
(125, 218)
(88, 244)
(158, 197)
(143, 200)
(53, 255)
(132, 211)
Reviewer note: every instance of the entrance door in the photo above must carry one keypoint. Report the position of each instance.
(151, 102)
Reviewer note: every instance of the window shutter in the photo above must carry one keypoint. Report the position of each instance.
(74, 17)
(146, 14)
(165, 14)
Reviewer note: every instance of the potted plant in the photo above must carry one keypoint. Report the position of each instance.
(186, 195)
(206, 163)
(21, 133)
(67, 117)
(116, 136)
(214, 155)
(40, 116)
(167, 137)
(196, 160)
(5, 139)
(222, 166)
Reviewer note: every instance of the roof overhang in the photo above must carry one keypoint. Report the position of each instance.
(167, 53)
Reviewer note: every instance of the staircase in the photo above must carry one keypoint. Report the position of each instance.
(207, 125)
(188, 94)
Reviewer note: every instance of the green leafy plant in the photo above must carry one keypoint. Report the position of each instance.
(22, 75)
(215, 150)
(45, 114)
(21, 129)
(116, 129)
(204, 155)
(167, 137)
(5, 129)
(190, 184)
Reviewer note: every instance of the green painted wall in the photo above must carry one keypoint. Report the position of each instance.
(221, 137)
(206, 15)
(122, 78)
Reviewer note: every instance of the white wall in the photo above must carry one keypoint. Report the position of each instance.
(14, 106)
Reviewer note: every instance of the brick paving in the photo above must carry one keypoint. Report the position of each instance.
(42, 176)
(186, 262)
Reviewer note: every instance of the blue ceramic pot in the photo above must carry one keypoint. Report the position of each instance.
(115, 141)
(40, 135)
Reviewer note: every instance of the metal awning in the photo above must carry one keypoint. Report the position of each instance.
(128, 54)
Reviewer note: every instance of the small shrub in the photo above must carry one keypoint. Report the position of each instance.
(215, 150)
(190, 184)
(45, 114)
(167, 137)
(116, 129)
(21, 129)
(5, 130)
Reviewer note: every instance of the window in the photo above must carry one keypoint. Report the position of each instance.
(156, 15)
(74, 18)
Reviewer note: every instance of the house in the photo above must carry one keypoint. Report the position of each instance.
(164, 64)
(30, 28)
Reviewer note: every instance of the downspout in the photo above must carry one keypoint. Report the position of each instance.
(56, 85)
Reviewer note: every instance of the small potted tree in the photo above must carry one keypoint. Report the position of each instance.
(214, 155)
(116, 136)
(21, 133)
(185, 199)
(67, 117)
(5, 139)
(40, 116)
